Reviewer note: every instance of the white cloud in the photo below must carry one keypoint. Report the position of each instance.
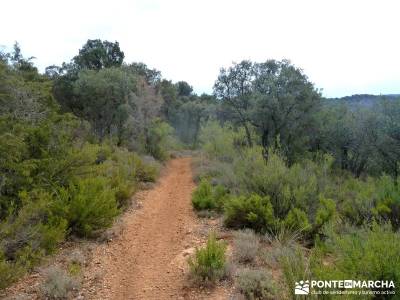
(344, 47)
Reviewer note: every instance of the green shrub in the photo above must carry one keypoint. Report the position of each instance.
(356, 199)
(297, 186)
(297, 219)
(253, 212)
(325, 212)
(202, 196)
(91, 206)
(220, 196)
(158, 139)
(147, 171)
(37, 226)
(28, 234)
(9, 271)
(218, 141)
(388, 204)
(256, 284)
(208, 263)
(206, 197)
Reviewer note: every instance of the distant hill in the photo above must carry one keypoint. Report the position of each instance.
(363, 99)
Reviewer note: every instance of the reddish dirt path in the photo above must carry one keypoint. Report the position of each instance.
(148, 259)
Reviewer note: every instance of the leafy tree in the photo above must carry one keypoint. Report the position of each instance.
(234, 87)
(97, 54)
(104, 98)
(151, 76)
(184, 89)
(285, 106)
(274, 97)
(387, 139)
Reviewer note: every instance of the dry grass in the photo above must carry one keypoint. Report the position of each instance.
(58, 284)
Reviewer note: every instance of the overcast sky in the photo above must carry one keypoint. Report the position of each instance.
(345, 47)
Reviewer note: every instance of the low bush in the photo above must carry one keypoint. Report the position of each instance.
(388, 204)
(282, 243)
(58, 284)
(36, 225)
(206, 197)
(253, 212)
(297, 219)
(325, 212)
(147, 170)
(208, 263)
(91, 206)
(8, 271)
(246, 245)
(158, 139)
(256, 284)
(202, 196)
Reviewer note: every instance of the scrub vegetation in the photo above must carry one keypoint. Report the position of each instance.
(310, 186)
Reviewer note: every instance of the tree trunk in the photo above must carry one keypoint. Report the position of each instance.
(248, 135)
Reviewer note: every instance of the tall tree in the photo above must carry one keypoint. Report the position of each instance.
(184, 89)
(285, 106)
(97, 54)
(234, 87)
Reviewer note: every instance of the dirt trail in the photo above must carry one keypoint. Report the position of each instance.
(148, 259)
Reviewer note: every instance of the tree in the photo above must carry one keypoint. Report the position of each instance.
(188, 118)
(184, 89)
(388, 138)
(147, 108)
(97, 54)
(234, 87)
(169, 93)
(275, 98)
(151, 76)
(284, 107)
(103, 98)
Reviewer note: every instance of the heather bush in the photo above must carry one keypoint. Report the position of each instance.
(246, 245)
(325, 212)
(296, 186)
(158, 140)
(207, 197)
(297, 219)
(256, 284)
(254, 211)
(208, 263)
(202, 196)
(90, 205)
(9, 271)
(35, 230)
(356, 199)
(388, 204)
(58, 284)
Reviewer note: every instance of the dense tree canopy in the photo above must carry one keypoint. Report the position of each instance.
(275, 98)
(97, 54)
